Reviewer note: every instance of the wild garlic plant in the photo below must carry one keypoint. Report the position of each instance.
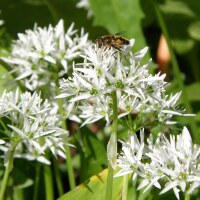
(115, 86)
(109, 84)
(30, 127)
(166, 163)
(37, 60)
(41, 56)
(107, 71)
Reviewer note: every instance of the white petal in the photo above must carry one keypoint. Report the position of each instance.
(144, 183)
(24, 75)
(123, 172)
(18, 131)
(2, 141)
(169, 186)
(80, 97)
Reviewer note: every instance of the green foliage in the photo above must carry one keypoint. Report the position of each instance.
(138, 20)
(93, 154)
(118, 16)
(193, 91)
(94, 188)
(187, 18)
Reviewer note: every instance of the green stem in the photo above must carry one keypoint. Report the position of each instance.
(48, 183)
(125, 187)
(57, 177)
(4, 128)
(37, 181)
(177, 73)
(187, 196)
(7, 172)
(19, 194)
(109, 185)
(70, 170)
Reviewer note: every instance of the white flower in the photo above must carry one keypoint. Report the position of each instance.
(130, 158)
(105, 70)
(40, 54)
(101, 109)
(33, 123)
(166, 164)
(184, 163)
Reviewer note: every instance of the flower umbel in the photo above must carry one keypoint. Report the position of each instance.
(105, 70)
(42, 52)
(32, 125)
(167, 164)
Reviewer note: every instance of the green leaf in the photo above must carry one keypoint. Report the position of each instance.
(197, 118)
(182, 19)
(193, 91)
(2, 72)
(194, 30)
(95, 189)
(117, 16)
(183, 22)
(93, 154)
(42, 13)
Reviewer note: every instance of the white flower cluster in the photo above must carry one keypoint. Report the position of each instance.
(105, 70)
(32, 125)
(40, 53)
(174, 162)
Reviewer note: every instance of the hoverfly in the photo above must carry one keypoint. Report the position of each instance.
(116, 41)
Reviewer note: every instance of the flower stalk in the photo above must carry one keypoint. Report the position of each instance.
(125, 187)
(48, 183)
(70, 170)
(37, 181)
(112, 148)
(58, 177)
(187, 196)
(9, 167)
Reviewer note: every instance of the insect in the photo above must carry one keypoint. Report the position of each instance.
(116, 41)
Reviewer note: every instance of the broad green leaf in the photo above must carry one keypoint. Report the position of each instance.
(182, 20)
(193, 91)
(118, 16)
(42, 13)
(197, 118)
(170, 7)
(95, 189)
(194, 30)
(183, 46)
(93, 154)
